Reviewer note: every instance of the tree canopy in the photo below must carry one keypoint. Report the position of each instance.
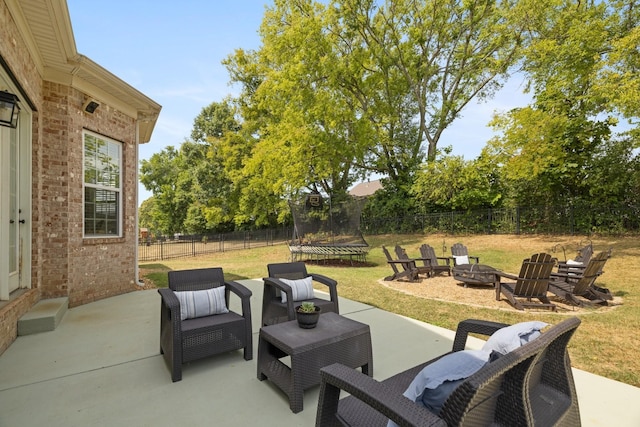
(343, 89)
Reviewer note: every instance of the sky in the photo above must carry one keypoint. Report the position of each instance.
(173, 51)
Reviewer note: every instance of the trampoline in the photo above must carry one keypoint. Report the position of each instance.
(327, 229)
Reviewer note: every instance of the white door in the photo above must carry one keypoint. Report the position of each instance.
(14, 225)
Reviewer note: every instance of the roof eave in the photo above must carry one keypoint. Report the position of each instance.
(61, 63)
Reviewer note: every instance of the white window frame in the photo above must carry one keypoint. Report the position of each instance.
(115, 188)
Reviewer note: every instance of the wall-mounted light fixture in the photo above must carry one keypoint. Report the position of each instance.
(90, 105)
(8, 109)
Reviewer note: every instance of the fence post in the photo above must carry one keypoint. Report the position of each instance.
(193, 246)
(571, 218)
(517, 220)
(161, 250)
(452, 219)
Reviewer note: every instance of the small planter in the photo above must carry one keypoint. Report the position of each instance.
(307, 320)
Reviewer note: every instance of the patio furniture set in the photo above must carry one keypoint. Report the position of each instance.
(522, 375)
(572, 283)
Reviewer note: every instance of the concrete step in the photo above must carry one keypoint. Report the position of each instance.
(44, 316)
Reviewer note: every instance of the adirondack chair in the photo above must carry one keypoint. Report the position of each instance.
(409, 270)
(532, 282)
(425, 269)
(460, 250)
(580, 290)
(577, 264)
(438, 264)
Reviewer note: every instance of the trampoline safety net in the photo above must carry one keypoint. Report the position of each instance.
(325, 229)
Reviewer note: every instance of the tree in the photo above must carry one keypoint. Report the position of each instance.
(549, 149)
(439, 55)
(451, 183)
(341, 91)
(214, 121)
(159, 175)
(147, 216)
(619, 76)
(306, 133)
(615, 177)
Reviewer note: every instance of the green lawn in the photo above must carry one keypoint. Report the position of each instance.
(605, 343)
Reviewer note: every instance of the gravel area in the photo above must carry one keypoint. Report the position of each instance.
(445, 288)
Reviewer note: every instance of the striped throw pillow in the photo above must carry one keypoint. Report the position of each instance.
(202, 303)
(301, 289)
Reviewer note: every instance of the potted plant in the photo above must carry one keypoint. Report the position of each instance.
(307, 314)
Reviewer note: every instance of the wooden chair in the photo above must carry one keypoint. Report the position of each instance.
(531, 385)
(580, 289)
(458, 249)
(584, 254)
(409, 270)
(532, 282)
(424, 269)
(183, 341)
(578, 264)
(276, 311)
(439, 265)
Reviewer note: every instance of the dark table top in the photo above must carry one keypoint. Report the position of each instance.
(332, 327)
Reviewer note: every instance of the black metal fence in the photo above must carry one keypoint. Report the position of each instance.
(568, 219)
(156, 249)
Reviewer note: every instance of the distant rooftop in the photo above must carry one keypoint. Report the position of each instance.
(366, 188)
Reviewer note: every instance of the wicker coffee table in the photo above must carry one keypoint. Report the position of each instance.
(335, 339)
(475, 274)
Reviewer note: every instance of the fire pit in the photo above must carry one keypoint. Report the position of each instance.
(475, 274)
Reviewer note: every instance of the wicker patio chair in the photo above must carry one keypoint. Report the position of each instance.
(276, 311)
(531, 385)
(579, 289)
(424, 269)
(183, 341)
(438, 264)
(458, 249)
(408, 269)
(532, 282)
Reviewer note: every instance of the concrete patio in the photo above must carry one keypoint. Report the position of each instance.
(102, 367)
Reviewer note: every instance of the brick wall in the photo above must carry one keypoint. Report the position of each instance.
(85, 269)
(16, 55)
(10, 312)
(63, 262)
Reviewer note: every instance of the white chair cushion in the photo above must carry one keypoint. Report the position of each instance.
(461, 259)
